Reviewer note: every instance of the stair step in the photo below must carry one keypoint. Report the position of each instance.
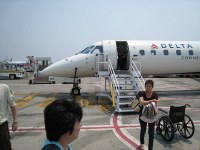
(126, 109)
(123, 80)
(122, 86)
(121, 90)
(126, 90)
(103, 73)
(126, 96)
(127, 93)
(123, 75)
(122, 72)
(125, 103)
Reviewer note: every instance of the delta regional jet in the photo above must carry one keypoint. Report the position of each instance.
(155, 57)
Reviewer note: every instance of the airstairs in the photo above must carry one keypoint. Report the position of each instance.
(124, 85)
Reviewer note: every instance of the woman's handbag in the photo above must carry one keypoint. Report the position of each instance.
(135, 104)
(149, 113)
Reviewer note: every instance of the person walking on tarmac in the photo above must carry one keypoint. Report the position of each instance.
(145, 98)
(6, 100)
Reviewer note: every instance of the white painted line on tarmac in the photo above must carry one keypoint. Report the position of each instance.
(92, 127)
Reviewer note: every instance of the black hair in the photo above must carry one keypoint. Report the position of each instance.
(149, 82)
(60, 117)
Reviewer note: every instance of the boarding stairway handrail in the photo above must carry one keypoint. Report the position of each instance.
(114, 83)
(100, 72)
(113, 76)
(136, 73)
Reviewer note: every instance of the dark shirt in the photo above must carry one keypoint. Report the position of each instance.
(143, 94)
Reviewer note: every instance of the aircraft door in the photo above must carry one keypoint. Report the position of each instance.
(109, 49)
(123, 61)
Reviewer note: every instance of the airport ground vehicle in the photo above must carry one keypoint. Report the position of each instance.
(12, 74)
(28, 69)
(37, 64)
(176, 121)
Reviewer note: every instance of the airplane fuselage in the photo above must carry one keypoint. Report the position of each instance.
(153, 58)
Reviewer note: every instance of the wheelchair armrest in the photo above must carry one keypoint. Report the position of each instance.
(187, 105)
(163, 110)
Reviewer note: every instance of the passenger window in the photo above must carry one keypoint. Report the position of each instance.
(190, 52)
(153, 52)
(142, 52)
(178, 52)
(165, 52)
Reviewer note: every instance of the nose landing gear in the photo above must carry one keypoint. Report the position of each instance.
(76, 89)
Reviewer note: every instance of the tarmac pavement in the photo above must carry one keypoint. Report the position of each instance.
(102, 127)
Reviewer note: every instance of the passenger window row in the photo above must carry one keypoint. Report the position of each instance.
(165, 52)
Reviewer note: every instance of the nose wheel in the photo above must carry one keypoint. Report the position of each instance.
(75, 91)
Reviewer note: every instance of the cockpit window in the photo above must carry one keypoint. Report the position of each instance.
(87, 50)
(97, 50)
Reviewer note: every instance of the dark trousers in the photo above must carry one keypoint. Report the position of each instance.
(143, 126)
(5, 137)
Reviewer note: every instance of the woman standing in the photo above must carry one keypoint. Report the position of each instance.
(146, 97)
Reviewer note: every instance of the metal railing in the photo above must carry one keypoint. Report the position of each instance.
(113, 78)
(98, 63)
(137, 72)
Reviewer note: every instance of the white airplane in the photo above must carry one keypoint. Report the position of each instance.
(155, 57)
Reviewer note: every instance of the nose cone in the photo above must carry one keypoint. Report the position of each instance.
(84, 63)
(54, 69)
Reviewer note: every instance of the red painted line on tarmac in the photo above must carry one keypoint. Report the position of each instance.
(119, 132)
(30, 129)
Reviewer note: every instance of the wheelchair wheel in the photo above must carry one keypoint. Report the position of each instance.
(186, 128)
(165, 128)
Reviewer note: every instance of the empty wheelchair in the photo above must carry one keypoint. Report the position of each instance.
(175, 120)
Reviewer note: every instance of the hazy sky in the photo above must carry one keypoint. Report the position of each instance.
(61, 28)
